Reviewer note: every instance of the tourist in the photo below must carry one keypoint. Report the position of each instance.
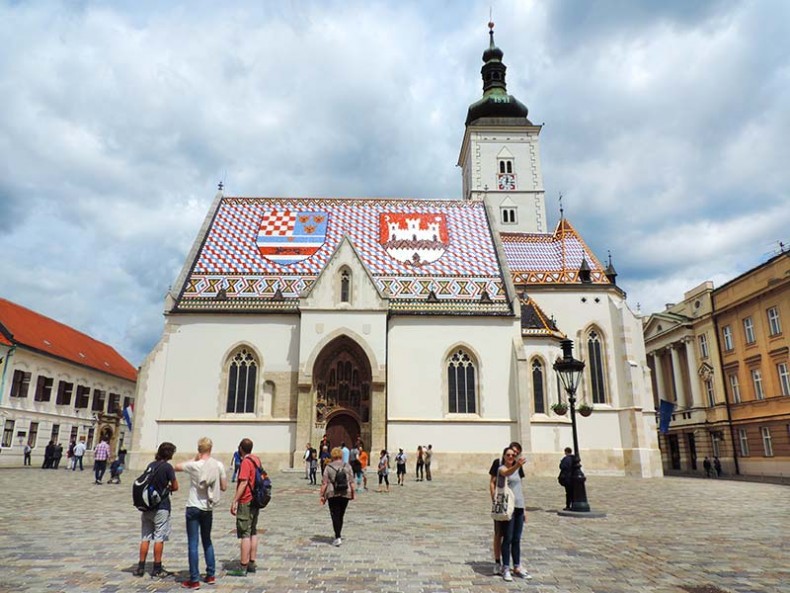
(420, 464)
(346, 452)
(58, 455)
(499, 526)
(384, 470)
(428, 457)
(79, 453)
(717, 466)
(28, 450)
(364, 460)
(156, 522)
(324, 458)
(49, 453)
(234, 464)
(566, 470)
(245, 512)
(511, 542)
(100, 456)
(400, 463)
(306, 458)
(313, 466)
(207, 481)
(337, 490)
(707, 465)
(70, 454)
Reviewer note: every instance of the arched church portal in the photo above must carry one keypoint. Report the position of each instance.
(341, 380)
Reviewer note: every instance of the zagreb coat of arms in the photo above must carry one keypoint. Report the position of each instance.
(414, 239)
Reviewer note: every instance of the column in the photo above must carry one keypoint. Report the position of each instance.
(659, 375)
(680, 393)
(696, 396)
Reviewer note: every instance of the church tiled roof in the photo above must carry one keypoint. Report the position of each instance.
(257, 246)
(551, 258)
(534, 321)
(35, 331)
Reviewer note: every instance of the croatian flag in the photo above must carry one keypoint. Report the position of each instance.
(665, 416)
(128, 411)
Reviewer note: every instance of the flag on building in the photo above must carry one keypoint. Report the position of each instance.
(128, 411)
(665, 416)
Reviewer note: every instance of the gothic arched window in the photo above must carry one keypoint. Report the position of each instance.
(461, 384)
(538, 387)
(595, 364)
(345, 286)
(242, 382)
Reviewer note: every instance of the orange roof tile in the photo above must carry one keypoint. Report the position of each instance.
(33, 330)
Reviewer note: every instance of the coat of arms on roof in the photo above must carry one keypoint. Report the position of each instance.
(286, 237)
(414, 239)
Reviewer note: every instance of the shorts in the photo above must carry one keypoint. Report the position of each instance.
(246, 520)
(155, 525)
(401, 469)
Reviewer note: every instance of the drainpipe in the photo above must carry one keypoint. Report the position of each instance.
(8, 356)
(724, 382)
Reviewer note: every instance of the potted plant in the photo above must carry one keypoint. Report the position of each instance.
(585, 409)
(560, 408)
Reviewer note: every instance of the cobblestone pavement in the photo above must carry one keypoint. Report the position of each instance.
(60, 532)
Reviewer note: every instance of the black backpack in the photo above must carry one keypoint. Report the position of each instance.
(145, 496)
(340, 481)
(260, 487)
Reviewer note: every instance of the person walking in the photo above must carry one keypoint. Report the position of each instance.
(428, 458)
(156, 525)
(234, 464)
(313, 466)
(511, 542)
(566, 470)
(306, 458)
(717, 466)
(707, 465)
(207, 480)
(384, 470)
(400, 464)
(57, 456)
(49, 454)
(364, 461)
(499, 526)
(337, 487)
(100, 456)
(79, 453)
(245, 512)
(324, 458)
(420, 470)
(70, 454)
(28, 451)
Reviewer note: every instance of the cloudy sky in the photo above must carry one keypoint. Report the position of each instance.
(666, 129)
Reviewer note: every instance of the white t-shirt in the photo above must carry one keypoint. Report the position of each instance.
(199, 494)
(79, 449)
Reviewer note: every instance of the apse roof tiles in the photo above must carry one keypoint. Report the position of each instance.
(37, 332)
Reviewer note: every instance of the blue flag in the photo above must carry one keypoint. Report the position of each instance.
(665, 416)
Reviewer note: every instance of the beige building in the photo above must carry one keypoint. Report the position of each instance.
(402, 322)
(57, 384)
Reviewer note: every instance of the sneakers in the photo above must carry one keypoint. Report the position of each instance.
(506, 575)
(337, 542)
(161, 573)
(139, 571)
(212, 580)
(521, 573)
(251, 566)
(190, 585)
(497, 569)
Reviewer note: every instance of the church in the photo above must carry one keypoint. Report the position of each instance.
(403, 322)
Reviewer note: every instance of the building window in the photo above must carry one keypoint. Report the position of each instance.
(735, 388)
(748, 330)
(757, 381)
(710, 393)
(703, 345)
(774, 325)
(715, 438)
(596, 366)
(242, 382)
(99, 399)
(89, 442)
(768, 448)
(8, 433)
(20, 384)
(505, 165)
(114, 406)
(83, 397)
(43, 389)
(55, 435)
(726, 333)
(345, 287)
(65, 390)
(461, 384)
(32, 435)
(784, 378)
(127, 401)
(538, 387)
(74, 432)
(744, 442)
(508, 215)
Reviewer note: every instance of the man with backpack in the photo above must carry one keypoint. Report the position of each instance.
(245, 511)
(207, 481)
(159, 480)
(337, 487)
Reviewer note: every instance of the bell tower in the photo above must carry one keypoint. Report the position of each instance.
(500, 159)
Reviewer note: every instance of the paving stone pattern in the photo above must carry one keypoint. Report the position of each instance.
(60, 532)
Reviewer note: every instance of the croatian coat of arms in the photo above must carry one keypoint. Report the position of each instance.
(287, 237)
(414, 239)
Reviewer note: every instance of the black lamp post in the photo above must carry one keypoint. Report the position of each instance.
(570, 371)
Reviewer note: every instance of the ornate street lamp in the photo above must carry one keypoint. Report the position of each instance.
(570, 372)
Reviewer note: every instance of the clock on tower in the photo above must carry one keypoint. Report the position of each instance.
(506, 181)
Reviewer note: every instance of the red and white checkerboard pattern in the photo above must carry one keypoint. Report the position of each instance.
(278, 224)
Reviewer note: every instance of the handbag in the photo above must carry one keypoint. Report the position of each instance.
(504, 501)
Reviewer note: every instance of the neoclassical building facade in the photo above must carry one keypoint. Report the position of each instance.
(404, 322)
